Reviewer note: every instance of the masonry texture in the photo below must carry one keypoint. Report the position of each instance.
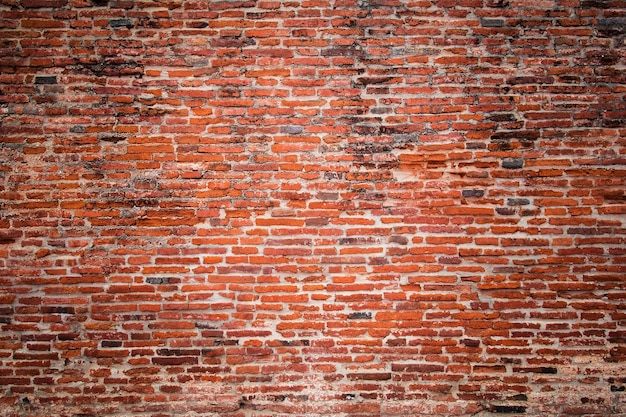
(312, 208)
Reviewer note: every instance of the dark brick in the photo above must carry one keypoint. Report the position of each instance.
(512, 163)
(45, 79)
(508, 409)
(612, 27)
(161, 280)
(471, 342)
(492, 23)
(57, 310)
(505, 211)
(517, 201)
(473, 193)
(360, 315)
(597, 4)
(116, 23)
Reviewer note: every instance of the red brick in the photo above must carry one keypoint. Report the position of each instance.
(211, 207)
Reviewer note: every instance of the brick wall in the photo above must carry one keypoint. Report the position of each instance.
(312, 208)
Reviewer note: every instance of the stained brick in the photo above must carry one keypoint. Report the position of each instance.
(368, 208)
(45, 79)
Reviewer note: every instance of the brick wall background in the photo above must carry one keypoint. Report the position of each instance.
(312, 207)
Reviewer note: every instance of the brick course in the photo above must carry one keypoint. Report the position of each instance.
(312, 208)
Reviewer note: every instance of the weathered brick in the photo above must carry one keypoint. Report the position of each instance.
(325, 207)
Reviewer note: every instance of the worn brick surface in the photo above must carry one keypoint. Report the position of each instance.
(312, 208)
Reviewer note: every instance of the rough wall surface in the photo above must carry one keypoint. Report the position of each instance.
(313, 208)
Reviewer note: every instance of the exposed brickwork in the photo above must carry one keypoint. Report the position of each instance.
(312, 207)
